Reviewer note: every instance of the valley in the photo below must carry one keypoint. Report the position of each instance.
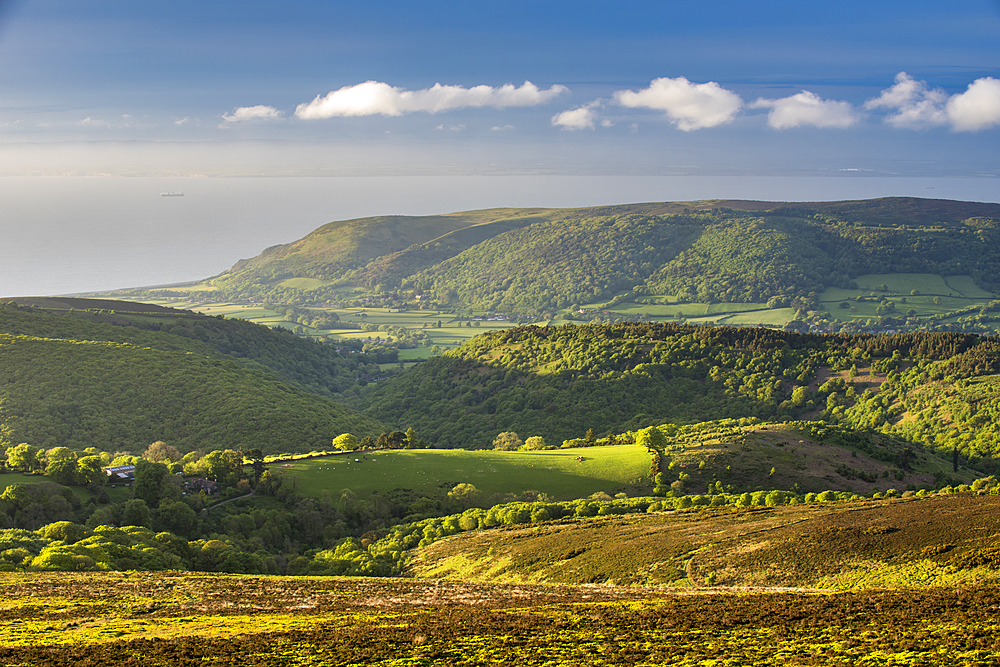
(753, 429)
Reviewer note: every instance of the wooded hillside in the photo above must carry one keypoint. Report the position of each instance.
(533, 262)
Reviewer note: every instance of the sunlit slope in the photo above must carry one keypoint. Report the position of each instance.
(113, 396)
(80, 379)
(937, 540)
(318, 368)
(559, 382)
(535, 261)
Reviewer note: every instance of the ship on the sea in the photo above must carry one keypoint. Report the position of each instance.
(171, 194)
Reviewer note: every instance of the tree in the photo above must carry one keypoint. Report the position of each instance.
(177, 516)
(63, 470)
(800, 396)
(508, 441)
(219, 465)
(161, 451)
(465, 495)
(149, 477)
(136, 513)
(347, 442)
(23, 457)
(534, 442)
(256, 457)
(651, 438)
(89, 470)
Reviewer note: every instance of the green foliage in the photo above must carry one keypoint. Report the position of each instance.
(508, 441)
(347, 442)
(534, 443)
(149, 478)
(90, 391)
(23, 457)
(651, 438)
(629, 376)
(531, 262)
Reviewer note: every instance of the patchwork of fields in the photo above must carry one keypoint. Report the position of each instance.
(926, 295)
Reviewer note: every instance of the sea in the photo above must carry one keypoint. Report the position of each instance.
(71, 235)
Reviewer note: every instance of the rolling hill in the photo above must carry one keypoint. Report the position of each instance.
(559, 382)
(936, 540)
(534, 262)
(121, 379)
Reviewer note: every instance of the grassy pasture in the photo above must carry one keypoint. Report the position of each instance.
(554, 472)
(925, 283)
(304, 284)
(11, 478)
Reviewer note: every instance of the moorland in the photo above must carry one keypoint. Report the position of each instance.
(460, 438)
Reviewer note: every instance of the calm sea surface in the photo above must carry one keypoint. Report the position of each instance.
(63, 235)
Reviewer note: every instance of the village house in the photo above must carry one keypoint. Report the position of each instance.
(208, 486)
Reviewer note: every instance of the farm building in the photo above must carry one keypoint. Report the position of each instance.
(120, 473)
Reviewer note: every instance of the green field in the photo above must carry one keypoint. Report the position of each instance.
(452, 332)
(11, 478)
(553, 472)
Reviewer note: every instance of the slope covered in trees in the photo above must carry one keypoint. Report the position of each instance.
(320, 369)
(531, 262)
(73, 381)
(561, 381)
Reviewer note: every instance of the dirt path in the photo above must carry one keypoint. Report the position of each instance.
(227, 501)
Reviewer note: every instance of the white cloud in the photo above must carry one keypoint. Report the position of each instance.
(123, 121)
(377, 98)
(807, 108)
(577, 119)
(504, 128)
(182, 121)
(978, 108)
(690, 106)
(259, 112)
(917, 105)
(452, 128)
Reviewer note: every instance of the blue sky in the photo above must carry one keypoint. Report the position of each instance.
(310, 88)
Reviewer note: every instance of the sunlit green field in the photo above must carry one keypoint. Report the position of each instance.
(554, 472)
(10, 478)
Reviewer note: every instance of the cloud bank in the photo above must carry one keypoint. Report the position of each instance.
(917, 106)
(690, 106)
(807, 108)
(377, 98)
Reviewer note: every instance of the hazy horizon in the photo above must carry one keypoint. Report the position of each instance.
(66, 235)
(540, 102)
